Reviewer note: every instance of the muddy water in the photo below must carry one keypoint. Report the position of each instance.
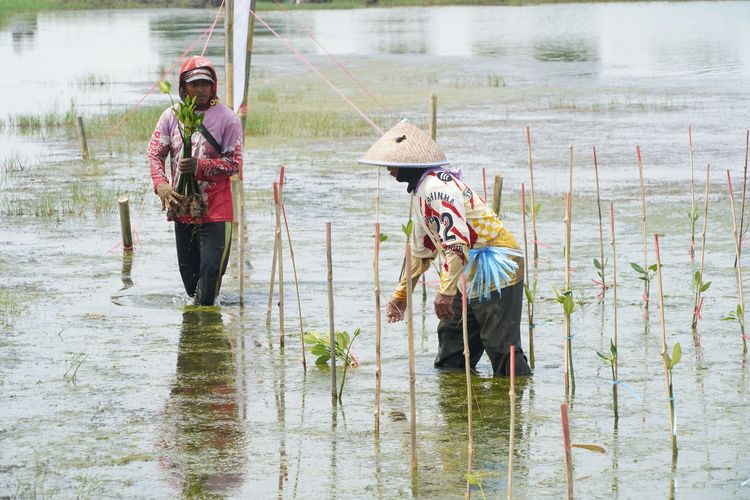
(112, 386)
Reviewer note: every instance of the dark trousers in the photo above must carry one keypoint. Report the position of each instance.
(493, 325)
(202, 254)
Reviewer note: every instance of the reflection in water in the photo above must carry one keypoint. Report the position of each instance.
(565, 51)
(127, 268)
(24, 33)
(203, 438)
(491, 428)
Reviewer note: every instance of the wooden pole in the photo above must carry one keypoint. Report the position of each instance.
(412, 370)
(698, 292)
(533, 199)
(82, 136)
(484, 183)
(433, 116)
(467, 366)
(736, 235)
(331, 332)
(276, 244)
(527, 283)
(229, 53)
(614, 306)
(645, 237)
(497, 193)
(127, 236)
(601, 230)
(511, 439)
(570, 384)
(568, 450)
(280, 259)
(378, 327)
(664, 353)
(296, 287)
(241, 186)
(744, 190)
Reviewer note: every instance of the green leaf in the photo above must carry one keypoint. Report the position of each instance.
(383, 237)
(407, 228)
(529, 297)
(590, 447)
(320, 349)
(165, 87)
(676, 353)
(729, 317)
(605, 357)
(637, 268)
(323, 359)
(311, 338)
(739, 311)
(568, 305)
(613, 349)
(597, 264)
(472, 479)
(697, 278)
(705, 286)
(654, 267)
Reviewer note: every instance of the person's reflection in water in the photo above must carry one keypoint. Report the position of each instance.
(491, 429)
(204, 439)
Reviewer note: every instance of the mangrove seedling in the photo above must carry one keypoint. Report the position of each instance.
(565, 298)
(645, 275)
(321, 347)
(610, 358)
(189, 122)
(599, 266)
(737, 316)
(699, 286)
(475, 479)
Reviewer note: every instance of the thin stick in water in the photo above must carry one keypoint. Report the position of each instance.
(645, 238)
(692, 195)
(533, 199)
(511, 439)
(331, 331)
(296, 286)
(738, 269)
(697, 305)
(529, 301)
(280, 260)
(568, 450)
(614, 309)
(467, 367)
(412, 370)
(601, 230)
(744, 190)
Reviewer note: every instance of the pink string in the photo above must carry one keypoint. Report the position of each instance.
(341, 66)
(317, 72)
(216, 19)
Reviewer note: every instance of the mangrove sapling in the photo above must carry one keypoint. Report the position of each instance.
(644, 274)
(602, 262)
(669, 362)
(533, 202)
(331, 331)
(565, 297)
(71, 374)
(646, 281)
(614, 306)
(320, 346)
(693, 214)
(740, 310)
(407, 229)
(743, 229)
(529, 291)
(699, 285)
(188, 122)
(610, 358)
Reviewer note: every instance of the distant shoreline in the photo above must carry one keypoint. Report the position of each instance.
(11, 8)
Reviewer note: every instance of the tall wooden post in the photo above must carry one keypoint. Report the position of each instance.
(82, 136)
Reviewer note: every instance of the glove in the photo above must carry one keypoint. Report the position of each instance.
(188, 165)
(167, 195)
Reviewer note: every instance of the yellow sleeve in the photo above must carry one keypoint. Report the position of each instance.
(418, 267)
(450, 278)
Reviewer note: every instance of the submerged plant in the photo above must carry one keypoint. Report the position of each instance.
(189, 122)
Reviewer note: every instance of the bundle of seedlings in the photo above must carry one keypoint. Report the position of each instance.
(188, 122)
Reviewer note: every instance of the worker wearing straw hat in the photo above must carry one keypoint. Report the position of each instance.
(453, 219)
(204, 238)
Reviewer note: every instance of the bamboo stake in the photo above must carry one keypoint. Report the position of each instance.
(744, 190)
(229, 53)
(497, 194)
(82, 137)
(664, 353)
(741, 316)
(698, 292)
(331, 332)
(614, 309)
(243, 118)
(276, 243)
(433, 116)
(533, 199)
(568, 450)
(280, 258)
(412, 375)
(127, 236)
(511, 439)
(570, 384)
(692, 195)
(645, 240)
(378, 319)
(296, 287)
(529, 303)
(601, 230)
(484, 183)
(467, 367)
(570, 169)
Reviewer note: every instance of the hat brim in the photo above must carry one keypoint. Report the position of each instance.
(404, 165)
(199, 77)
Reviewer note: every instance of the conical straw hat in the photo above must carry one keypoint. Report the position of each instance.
(405, 146)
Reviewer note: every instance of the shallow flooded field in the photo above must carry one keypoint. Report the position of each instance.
(110, 386)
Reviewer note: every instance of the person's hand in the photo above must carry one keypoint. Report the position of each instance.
(444, 306)
(168, 196)
(394, 311)
(188, 165)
